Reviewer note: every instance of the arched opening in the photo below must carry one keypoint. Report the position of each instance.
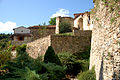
(80, 24)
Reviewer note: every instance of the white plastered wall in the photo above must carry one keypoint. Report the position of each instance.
(76, 22)
(21, 30)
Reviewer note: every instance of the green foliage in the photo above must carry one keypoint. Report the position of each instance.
(94, 10)
(20, 66)
(112, 19)
(44, 23)
(20, 49)
(87, 75)
(65, 57)
(83, 55)
(111, 5)
(51, 57)
(53, 71)
(77, 62)
(52, 21)
(24, 67)
(5, 36)
(66, 34)
(29, 75)
(65, 26)
(94, 1)
(97, 19)
(5, 53)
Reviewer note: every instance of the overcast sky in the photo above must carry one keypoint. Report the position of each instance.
(15, 13)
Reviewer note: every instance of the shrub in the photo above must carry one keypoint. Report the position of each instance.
(65, 57)
(85, 55)
(87, 75)
(24, 67)
(53, 71)
(73, 63)
(17, 66)
(65, 26)
(5, 53)
(21, 49)
(51, 57)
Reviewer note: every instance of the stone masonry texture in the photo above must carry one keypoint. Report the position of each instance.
(38, 47)
(105, 46)
(60, 43)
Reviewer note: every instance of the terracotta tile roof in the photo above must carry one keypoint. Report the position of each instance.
(42, 27)
(78, 14)
(51, 25)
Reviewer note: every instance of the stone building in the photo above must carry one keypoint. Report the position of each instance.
(62, 43)
(83, 21)
(38, 38)
(80, 22)
(83, 24)
(60, 20)
(21, 35)
(42, 31)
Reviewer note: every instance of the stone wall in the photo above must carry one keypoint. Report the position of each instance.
(38, 47)
(39, 33)
(73, 44)
(60, 43)
(60, 20)
(105, 48)
(25, 41)
(82, 33)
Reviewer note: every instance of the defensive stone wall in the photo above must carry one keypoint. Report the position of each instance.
(82, 33)
(73, 44)
(38, 47)
(39, 33)
(105, 46)
(60, 43)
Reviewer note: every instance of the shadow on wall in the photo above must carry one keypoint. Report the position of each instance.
(115, 76)
(101, 70)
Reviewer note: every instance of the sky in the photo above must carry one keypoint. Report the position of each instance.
(15, 13)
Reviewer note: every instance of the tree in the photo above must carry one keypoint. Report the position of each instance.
(52, 21)
(23, 67)
(51, 57)
(65, 26)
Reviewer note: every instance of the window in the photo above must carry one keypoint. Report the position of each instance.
(21, 38)
(88, 19)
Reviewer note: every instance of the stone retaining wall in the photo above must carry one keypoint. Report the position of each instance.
(60, 43)
(73, 44)
(38, 47)
(83, 33)
(40, 33)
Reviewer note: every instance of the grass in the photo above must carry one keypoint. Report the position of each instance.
(66, 34)
(87, 75)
